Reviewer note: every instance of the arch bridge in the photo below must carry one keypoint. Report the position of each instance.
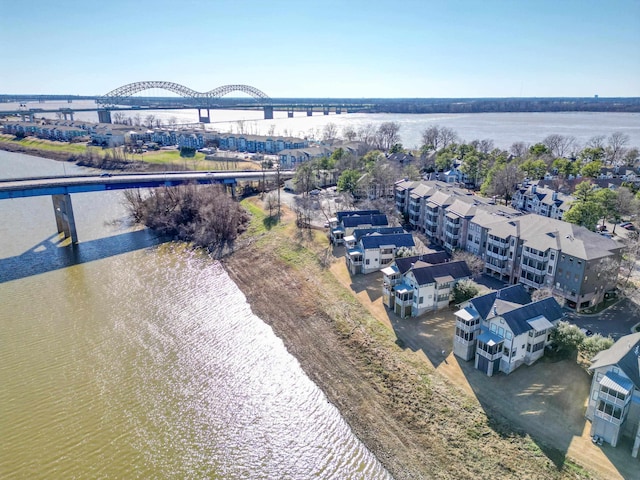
(203, 99)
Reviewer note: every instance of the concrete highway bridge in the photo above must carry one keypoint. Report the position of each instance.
(61, 188)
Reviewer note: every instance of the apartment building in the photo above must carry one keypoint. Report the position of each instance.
(537, 251)
(541, 200)
(376, 250)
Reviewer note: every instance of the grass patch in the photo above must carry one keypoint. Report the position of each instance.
(48, 145)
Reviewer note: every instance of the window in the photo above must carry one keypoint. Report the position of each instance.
(367, 262)
(421, 299)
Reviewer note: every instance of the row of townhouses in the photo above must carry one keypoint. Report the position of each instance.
(259, 143)
(412, 284)
(504, 329)
(538, 252)
(63, 131)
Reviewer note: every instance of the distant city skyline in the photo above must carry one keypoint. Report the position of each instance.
(357, 49)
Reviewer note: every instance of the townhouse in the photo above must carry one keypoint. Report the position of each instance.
(544, 201)
(376, 250)
(614, 400)
(292, 157)
(414, 285)
(537, 251)
(344, 223)
(502, 330)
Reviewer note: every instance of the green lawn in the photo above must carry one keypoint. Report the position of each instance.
(40, 144)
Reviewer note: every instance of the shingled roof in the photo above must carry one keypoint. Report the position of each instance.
(514, 294)
(356, 220)
(404, 263)
(625, 353)
(517, 319)
(376, 240)
(427, 274)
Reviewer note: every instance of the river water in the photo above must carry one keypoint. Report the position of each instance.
(503, 128)
(126, 357)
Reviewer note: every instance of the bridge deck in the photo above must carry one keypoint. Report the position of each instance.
(93, 183)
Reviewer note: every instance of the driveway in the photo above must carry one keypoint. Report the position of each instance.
(615, 321)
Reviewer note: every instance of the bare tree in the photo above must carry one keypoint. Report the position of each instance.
(118, 117)
(348, 133)
(559, 145)
(271, 202)
(596, 142)
(504, 181)
(137, 120)
(447, 136)
(475, 263)
(387, 135)
(159, 123)
(148, 120)
(272, 130)
(546, 292)
(616, 148)
(367, 134)
(240, 124)
(329, 132)
(431, 138)
(483, 146)
(519, 149)
(173, 122)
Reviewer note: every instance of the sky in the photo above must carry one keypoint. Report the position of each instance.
(330, 48)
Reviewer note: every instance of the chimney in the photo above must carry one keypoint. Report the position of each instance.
(495, 311)
(554, 195)
(534, 188)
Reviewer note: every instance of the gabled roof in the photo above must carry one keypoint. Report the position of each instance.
(376, 240)
(518, 319)
(624, 354)
(356, 220)
(361, 232)
(404, 263)
(427, 274)
(516, 294)
(350, 213)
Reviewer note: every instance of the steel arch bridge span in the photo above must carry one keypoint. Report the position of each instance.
(130, 89)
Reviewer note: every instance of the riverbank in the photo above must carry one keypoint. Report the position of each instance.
(97, 157)
(415, 422)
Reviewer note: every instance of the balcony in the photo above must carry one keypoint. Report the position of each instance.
(537, 271)
(497, 256)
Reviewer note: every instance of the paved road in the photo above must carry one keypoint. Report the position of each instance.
(616, 321)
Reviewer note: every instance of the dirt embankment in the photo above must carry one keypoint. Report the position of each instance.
(416, 424)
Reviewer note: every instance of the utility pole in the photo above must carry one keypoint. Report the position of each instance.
(278, 187)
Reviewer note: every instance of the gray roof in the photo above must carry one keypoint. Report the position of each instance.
(376, 240)
(624, 354)
(517, 319)
(379, 220)
(543, 233)
(361, 232)
(404, 263)
(349, 213)
(515, 294)
(427, 274)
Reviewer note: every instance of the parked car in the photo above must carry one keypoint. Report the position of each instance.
(315, 191)
(624, 224)
(629, 226)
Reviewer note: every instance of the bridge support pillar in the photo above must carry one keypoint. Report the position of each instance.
(290, 113)
(309, 111)
(325, 110)
(268, 112)
(104, 116)
(338, 110)
(206, 119)
(65, 220)
(68, 113)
